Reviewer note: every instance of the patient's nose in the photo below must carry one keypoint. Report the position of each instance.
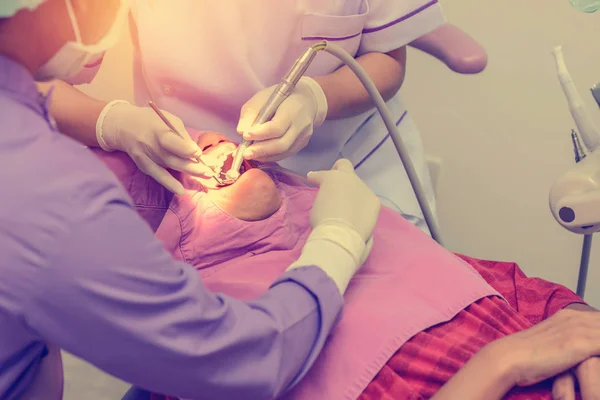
(210, 139)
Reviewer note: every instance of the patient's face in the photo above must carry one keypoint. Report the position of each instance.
(253, 197)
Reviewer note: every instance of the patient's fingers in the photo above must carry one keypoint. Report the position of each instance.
(588, 376)
(161, 175)
(563, 387)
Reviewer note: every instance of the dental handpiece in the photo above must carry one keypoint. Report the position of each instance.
(281, 92)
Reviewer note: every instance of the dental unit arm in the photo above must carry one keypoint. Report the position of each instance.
(286, 86)
(575, 195)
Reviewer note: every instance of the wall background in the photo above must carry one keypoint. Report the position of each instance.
(504, 135)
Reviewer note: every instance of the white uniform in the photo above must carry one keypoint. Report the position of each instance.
(210, 56)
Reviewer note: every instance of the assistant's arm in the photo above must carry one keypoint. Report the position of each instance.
(75, 112)
(346, 95)
(389, 26)
(114, 297)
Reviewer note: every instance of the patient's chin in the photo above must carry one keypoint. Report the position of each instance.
(254, 197)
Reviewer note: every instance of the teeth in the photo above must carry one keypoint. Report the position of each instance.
(216, 162)
(209, 161)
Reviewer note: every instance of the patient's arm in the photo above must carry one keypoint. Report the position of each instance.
(580, 307)
(482, 378)
(534, 298)
(566, 342)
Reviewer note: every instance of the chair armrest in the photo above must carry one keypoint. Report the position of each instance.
(455, 48)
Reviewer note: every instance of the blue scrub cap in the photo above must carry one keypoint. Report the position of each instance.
(8, 8)
(586, 6)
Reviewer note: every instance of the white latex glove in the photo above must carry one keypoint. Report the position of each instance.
(343, 218)
(291, 127)
(141, 133)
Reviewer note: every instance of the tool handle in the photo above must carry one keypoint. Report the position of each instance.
(164, 118)
(281, 92)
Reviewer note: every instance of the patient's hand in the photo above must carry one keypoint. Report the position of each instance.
(566, 343)
(253, 197)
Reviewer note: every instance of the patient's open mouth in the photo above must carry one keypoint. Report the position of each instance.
(227, 166)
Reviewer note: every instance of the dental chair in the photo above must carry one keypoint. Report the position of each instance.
(455, 48)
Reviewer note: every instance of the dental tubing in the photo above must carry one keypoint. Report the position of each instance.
(288, 83)
(390, 124)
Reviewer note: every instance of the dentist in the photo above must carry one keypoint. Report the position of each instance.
(81, 271)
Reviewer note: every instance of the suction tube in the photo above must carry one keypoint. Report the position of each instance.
(358, 70)
(585, 125)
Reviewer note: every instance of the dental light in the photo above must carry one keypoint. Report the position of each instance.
(287, 85)
(575, 195)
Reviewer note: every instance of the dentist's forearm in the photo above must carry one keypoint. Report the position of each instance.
(75, 112)
(346, 96)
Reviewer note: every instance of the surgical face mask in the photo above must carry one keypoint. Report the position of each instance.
(72, 58)
(8, 8)
(587, 6)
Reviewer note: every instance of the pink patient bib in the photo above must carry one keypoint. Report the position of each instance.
(408, 284)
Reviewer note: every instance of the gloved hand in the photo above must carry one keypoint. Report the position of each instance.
(141, 133)
(291, 127)
(343, 218)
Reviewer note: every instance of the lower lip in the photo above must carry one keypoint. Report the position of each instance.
(246, 165)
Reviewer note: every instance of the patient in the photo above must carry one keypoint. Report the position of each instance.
(241, 237)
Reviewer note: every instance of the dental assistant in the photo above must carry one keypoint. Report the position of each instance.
(81, 271)
(204, 61)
